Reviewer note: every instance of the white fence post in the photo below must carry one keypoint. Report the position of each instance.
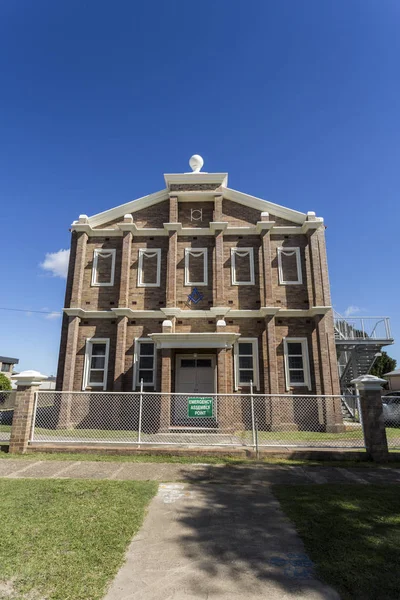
(140, 411)
(34, 416)
(253, 427)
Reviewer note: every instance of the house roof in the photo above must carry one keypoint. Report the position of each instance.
(197, 179)
(8, 359)
(395, 372)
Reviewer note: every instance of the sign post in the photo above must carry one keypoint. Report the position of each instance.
(200, 406)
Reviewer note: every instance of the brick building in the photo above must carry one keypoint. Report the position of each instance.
(198, 288)
(7, 365)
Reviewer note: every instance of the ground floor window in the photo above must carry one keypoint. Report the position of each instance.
(297, 365)
(145, 362)
(246, 363)
(96, 363)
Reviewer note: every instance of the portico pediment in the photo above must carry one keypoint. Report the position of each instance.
(194, 340)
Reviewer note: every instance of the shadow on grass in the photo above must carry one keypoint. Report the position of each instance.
(236, 531)
(352, 532)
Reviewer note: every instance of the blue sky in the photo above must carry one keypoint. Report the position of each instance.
(297, 100)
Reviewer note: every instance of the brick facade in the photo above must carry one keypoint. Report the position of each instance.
(277, 311)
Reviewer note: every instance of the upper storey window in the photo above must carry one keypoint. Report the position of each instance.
(196, 272)
(242, 266)
(289, 266)
(103, 267)
(149, 267)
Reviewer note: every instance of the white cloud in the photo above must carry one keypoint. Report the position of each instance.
(56, 263)
(352, 310)
(53, 315)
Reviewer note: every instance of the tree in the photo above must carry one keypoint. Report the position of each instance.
(383, 364)
(5, 383)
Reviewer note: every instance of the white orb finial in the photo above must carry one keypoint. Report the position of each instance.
(196, 162)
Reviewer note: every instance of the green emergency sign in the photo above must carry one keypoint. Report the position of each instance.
(200, 406)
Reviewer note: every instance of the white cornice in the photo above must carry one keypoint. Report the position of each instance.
(189, 231)
(85, 227)
(264, 226)
(138, 314)
(218, 226)
(195, 178)
(195, 195)
(142, 231)
(194, 340)
(211, 313)
(319, 310)
(113, 313)
(251, 314)
(311, 312)
(84, 314)
(307, 225)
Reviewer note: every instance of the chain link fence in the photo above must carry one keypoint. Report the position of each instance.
(391, 415)
(235, 420)
(7, 404)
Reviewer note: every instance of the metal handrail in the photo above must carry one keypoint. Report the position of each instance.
(352, 328)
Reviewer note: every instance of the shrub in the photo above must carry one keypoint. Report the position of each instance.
(5, 383)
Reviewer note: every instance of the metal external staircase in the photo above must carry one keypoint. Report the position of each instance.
(359, 341)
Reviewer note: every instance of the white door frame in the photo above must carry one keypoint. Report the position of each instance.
(195, 356)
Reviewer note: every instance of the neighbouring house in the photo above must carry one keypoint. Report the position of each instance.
(393, 379)
(7, 365)
(199, 288)
(49, 383)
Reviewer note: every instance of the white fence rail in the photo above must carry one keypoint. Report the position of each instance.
(233, 420)
(7, 403)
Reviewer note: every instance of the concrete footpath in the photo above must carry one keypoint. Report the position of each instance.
(217, 542)
(195, 473)
(213, 532)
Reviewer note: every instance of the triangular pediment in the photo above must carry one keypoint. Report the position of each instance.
(200, 189)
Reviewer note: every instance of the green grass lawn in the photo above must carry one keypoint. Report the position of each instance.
(65, 540)
(349, 437)
(352, 533)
